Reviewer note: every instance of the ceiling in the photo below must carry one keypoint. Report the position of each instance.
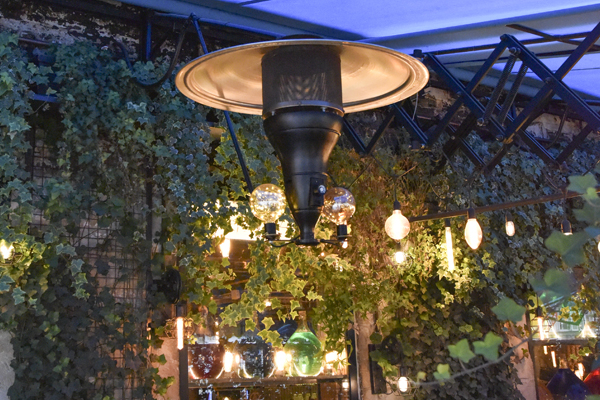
(431, 26)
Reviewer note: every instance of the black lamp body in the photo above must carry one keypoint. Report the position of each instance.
(302, 98)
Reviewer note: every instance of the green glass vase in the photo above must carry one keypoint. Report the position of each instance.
(305, 351)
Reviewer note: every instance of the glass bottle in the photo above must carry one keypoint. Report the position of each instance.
(256, 357)
(305, 351)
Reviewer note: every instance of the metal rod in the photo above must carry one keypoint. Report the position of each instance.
(491, 105)
(548, 36)
(499, 206)
(386, 122)
(512, 93)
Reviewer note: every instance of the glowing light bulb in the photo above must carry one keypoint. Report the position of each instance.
(598, 246)
(540, 320)
(179, 323)
(6, 250)
(403, 384)
(267, 203)
(545, 349)
(565, 227)
(281, 360)
(580, 371)
(553, 353)
(345, 244)
(397, 225)
(399, 257)
(473, 233)
(225, 247)
(267, 303)
(345, 385)
(509, 225)
(449, 247)
(338, 205)
(331, 357)
(228, 361)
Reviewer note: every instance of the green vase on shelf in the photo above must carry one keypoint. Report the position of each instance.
(305, 351)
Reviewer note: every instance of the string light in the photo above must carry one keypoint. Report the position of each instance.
(6, 250)
(565, 227)
(267, 303)
(399, 254)
(449, 247)
(509, 224)
(345, 244)
(540, 320)
(473, 233)
(397, 225)
(179, 333)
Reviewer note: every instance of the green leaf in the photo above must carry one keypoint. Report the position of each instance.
(461, 350)
(442, 373)
(421, 376)
(268, 322)
(250, 325)
(570, 247)
(294, 304)
(556, 283)
(18, 295)
(488, 347)
(581, 183)
(376, 338)
(508, 310)
(5, 282)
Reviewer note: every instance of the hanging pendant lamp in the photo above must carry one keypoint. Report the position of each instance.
(302, 88)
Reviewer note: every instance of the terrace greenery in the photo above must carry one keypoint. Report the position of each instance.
(108, 139)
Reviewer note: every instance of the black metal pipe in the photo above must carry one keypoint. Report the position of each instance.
(499, 206)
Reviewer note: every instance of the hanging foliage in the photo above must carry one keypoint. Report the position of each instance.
(76, 179)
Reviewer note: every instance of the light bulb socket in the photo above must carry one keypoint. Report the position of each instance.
(471, 213)
(402, 370)
(270, 231)
(397, 205)
(447, 223)
(398, 246)
(538, 312)
(565, 227)
(342, 232)
(181, 309)
(508, 217)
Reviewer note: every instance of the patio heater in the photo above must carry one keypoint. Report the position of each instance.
(302, 87)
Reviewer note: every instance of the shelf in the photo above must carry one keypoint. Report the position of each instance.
(272, 381)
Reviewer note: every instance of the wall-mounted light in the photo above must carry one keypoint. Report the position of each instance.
(509, 224)
(449, 246)
(473, 233)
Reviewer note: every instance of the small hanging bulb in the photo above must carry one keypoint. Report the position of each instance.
(225, 247)
(397, 225)
(403, 382)
(6, 250)
(449, 248)
(473, 233)
(399, 255)
(565, 227)
(509, 224)
(267, 303)
(179, 333)
(345, 244)
(540, 320)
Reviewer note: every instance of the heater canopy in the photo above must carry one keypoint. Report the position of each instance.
(371, 76)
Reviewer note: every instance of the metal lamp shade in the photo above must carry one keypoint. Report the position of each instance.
(302, 87)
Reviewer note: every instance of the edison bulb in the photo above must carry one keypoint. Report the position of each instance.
(399, 257)
(397, 225)
(280, 360)
(179, 323)
(228, 361)
(403, 384)
(338, 205)
(6, 250)
(449, 247)
(473, 233)
(267, 202)
(509, 225)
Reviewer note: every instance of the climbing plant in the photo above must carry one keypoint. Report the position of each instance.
(133, 177)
